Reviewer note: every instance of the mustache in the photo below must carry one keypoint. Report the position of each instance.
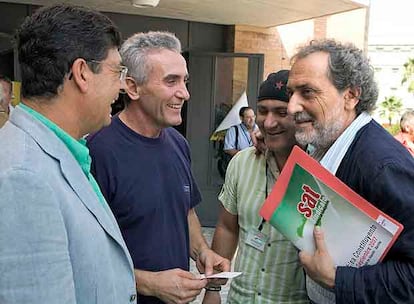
(302, 116)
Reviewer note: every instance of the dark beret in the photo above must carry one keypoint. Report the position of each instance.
(274, 87)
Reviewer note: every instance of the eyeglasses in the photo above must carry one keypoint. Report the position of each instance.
(121, 69)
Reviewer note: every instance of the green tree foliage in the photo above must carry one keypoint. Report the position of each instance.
(409, 74)
(393, 129)
(390, 107)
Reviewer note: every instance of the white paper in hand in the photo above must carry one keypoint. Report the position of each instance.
(221, 275)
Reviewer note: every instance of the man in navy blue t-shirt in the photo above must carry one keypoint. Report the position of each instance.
(143, 168)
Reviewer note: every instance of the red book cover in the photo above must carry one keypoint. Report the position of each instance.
(306, 194)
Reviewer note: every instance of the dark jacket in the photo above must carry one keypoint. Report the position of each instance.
(381, 170)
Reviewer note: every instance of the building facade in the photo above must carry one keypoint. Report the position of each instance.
(225, 58)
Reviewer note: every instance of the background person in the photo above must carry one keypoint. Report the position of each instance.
(406, 135)
(3, 112)
(271, 271)
(332, 91)
(239, 137)
(7, 86)
(59, 242)
(143, 167)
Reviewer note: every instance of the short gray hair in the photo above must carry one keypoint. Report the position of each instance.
(407, 119)
(135, 49)
(348, 67)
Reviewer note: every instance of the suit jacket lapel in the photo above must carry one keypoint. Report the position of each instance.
(71, 171)
(80, 185)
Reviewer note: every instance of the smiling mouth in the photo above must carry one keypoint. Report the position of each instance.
(299, 122)
(175, 106)
(275, 133)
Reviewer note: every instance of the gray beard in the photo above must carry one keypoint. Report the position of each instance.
(321, 137)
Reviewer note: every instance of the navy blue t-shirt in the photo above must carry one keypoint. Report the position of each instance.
(149, 186)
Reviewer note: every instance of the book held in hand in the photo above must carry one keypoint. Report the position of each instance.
(306, 194)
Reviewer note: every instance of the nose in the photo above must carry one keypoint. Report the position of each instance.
(294, 105)
(270, 121)
(183, 93)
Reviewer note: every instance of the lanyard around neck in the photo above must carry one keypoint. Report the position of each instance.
(260, 228)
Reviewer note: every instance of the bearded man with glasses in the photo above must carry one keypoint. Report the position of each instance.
(59, 241)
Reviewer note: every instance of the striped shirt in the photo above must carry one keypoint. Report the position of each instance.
(272, 276)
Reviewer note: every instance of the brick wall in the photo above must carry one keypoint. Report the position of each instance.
(348, 26)
(249, 39)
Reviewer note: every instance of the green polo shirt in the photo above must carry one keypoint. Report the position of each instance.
(78, 149)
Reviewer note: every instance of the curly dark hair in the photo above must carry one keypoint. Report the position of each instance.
(348, 68)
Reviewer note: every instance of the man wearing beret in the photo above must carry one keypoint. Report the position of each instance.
(270, 266)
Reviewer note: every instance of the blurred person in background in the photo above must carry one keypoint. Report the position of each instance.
(239, 137)
(406, 135)
(7, 86)
(3, 108)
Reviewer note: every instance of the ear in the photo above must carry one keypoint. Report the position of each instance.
(351, 97)
(406, 129)
(132, 89)
(81, 74)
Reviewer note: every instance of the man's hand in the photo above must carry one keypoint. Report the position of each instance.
(258, 141)
(319, 266)
(209, 262)
(174, 286)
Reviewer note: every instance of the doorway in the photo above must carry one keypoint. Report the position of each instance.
(217, 80)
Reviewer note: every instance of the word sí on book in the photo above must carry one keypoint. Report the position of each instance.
(312, 205)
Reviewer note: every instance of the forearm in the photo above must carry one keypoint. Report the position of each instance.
(146, 282)
(225, 241)
(226, 236)
(231, 152)
(197, 240)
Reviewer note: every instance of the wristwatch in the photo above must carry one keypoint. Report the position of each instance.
(213, 288)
